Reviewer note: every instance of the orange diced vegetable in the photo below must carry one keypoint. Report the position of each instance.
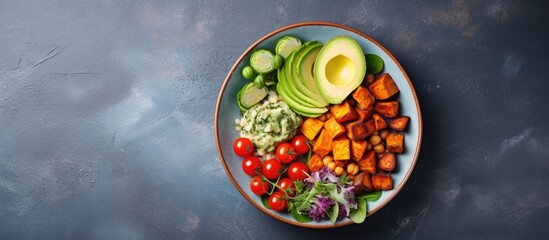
(341, 163)
(356, 130)
(379, 122)
(311, 127)
(315, 163)
(395, 142)
(334, 128)
(384, 87)
(357, 149)
(367, 182)
(387, 162)
(323, 144)
(387, 109)
(363, 97)
(342, 150)
(370, 126)
(382, 181)
(368, 162)
(343, 112)
(399, 123)
(364, 114)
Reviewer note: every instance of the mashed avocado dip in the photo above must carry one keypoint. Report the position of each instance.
(268, 123)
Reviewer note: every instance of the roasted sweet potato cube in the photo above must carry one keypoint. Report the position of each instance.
(343, 112)
(382, 181)
(379, 122)
(323, 144)
(367, 182)
(334, 128)
(356, 130)
(395, 142)
(370, 126)
(363, 97)
(387, 109)
(399, 123)
(357, 149)
(384, 87)
(311, 127)
(364, 114)
(342, 150)
(341, 163)
(315, 163)
(387, 162)
(357, 183)
(368, 162)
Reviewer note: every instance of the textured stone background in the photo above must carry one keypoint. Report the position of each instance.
(106, 117)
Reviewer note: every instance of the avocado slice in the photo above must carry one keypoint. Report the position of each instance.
(296, 107)
(283, 85)
(305, 67)
(339, 68)
(292, 85)
(291, 73)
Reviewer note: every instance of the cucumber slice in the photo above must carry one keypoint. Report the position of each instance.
(251, 95)
(262, 61)
(287, 45)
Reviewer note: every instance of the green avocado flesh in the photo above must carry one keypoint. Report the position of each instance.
(292, 74)
(305, 67)
(339, 68)
(295, 89)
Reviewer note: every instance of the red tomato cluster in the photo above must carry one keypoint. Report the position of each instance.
(276, 175)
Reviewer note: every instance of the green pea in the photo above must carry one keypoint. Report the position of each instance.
(248, 72)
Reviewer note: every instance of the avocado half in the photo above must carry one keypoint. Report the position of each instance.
(339, 68)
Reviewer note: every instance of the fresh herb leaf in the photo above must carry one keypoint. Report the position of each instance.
(334, 212)
(300, 217)
(374, 64)
(359, 214)
(371, 196)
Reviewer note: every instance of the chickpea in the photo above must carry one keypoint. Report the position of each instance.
(327, 159)
(322, 117)
(331, 166)
(352, 169)
(369, 147)
(338, 171)
(375, 133)
(383, 134)
(380, 148)
(375, 140)
(328, 115)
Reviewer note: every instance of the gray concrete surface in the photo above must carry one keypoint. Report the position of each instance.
(106, 117)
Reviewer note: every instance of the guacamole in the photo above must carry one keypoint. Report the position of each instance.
(268, 123)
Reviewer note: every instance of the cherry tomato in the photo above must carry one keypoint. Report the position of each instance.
(243, 147)
(300, 144)
(258, 186)
(288, 186)
(285, 152)
(251, 164)
(271, 168)
(277, 201)
(298, 171)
